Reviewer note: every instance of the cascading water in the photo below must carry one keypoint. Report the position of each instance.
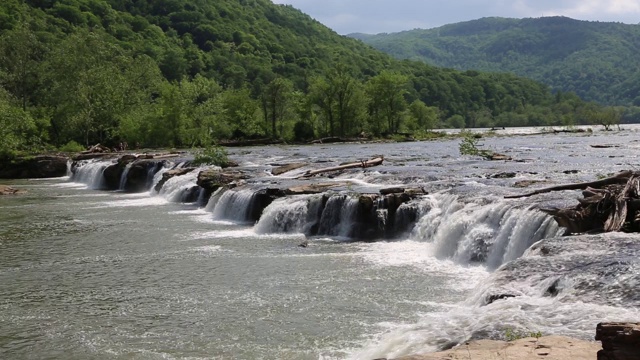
(234, 205)
(181, 188)
(287, 215)
(338, 216)
(123, 177)
(489, 232)
(91, 173)
(213, 199)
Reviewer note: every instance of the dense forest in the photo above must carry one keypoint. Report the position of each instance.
(191, 73)
(596, 60)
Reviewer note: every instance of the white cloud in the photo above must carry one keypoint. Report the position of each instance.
(374, 16)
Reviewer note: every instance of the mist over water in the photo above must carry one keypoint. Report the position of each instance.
(88, 273)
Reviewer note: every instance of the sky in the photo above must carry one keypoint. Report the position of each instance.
(377, 16)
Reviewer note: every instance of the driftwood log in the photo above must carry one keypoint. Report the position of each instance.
(360, 164)
(610, 204)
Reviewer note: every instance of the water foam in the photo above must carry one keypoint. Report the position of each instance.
(489, 231)
(234, 205)
(90, 173)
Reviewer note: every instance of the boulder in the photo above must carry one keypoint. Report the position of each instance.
(170, 174)
(260, 200)
(620, 341)
(213, 179)
(138, 176)
(113, 173)
(41, 166)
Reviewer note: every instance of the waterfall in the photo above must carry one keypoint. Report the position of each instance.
(286, 215)
(90, 172)
(156, 179)
(152, 171)
(181, 188)
(234, 205)
(487, 232)
(329, 215)
(123, 177)
(338, 216)
(213, 200)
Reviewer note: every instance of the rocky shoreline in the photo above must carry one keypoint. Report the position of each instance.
(546, 347)
(619, 341)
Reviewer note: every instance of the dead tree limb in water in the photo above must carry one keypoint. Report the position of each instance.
(359, 164)
(619, 178)
(614, 206)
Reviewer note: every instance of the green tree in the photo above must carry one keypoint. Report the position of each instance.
(18, 131)
(340, 97)
(275, 102)
(606, 117)
(240, 112)
(386, 93)
(426, 117)
(20, 55)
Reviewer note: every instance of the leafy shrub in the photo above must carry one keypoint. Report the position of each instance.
(469, 145)
(512, 335)
(71, 146)
(212, 155)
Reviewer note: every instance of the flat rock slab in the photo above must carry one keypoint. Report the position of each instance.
(546, 347)
(8, 190)
(286, 168)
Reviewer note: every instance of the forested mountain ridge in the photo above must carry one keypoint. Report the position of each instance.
(596, 60)
(193, 72)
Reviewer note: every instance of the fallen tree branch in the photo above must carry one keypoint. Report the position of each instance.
(359, 164)
(619, 178)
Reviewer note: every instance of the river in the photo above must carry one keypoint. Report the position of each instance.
(93, 274)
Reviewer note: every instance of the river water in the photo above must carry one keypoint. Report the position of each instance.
(93, 274)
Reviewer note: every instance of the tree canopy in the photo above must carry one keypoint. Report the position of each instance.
(191, 73)
(596, 60)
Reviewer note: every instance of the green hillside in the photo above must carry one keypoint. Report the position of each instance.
(191, 73)
(596, 60)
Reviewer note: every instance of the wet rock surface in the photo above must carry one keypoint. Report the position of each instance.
(41, 166)
(213, 179)
(600, 269)
(281, 169)
(141, 173)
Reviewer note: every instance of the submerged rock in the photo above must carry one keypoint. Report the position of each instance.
(598, 269)
(8, 190)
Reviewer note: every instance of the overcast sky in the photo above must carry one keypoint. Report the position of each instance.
(376, 16)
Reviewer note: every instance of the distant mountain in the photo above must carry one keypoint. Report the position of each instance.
(599, 61)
